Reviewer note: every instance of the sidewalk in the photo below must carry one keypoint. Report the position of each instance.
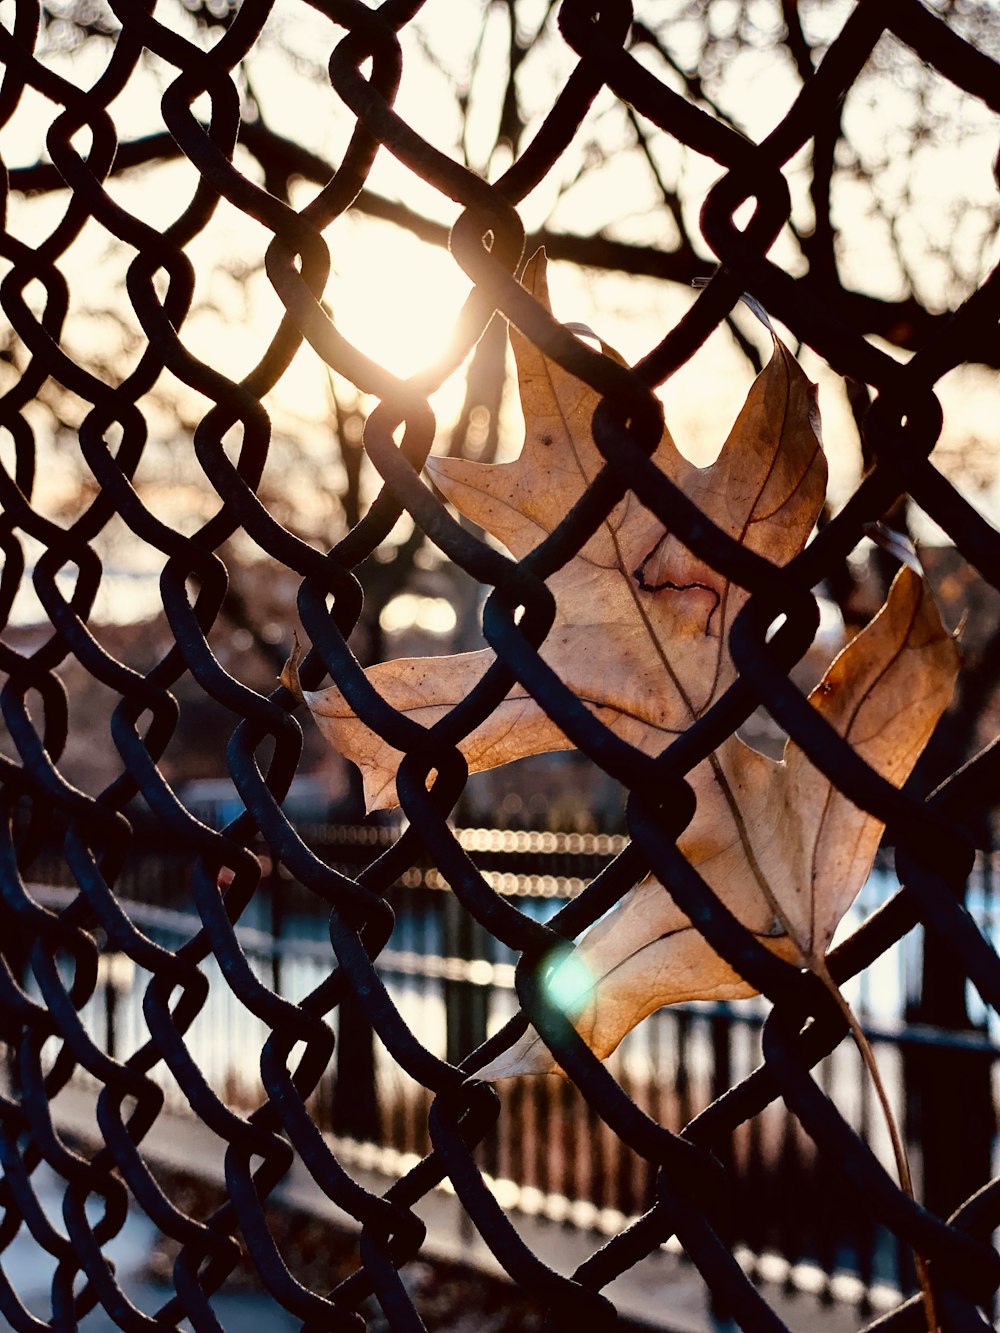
(663, 1292)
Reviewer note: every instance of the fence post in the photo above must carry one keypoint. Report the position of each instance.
(354, 1105)
(956, 1157)
(466, 1004)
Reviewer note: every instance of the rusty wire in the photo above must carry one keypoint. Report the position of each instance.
(487, 241)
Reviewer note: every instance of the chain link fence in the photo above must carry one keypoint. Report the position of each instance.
(53, 953)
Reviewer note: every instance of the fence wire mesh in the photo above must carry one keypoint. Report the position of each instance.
(60, 946)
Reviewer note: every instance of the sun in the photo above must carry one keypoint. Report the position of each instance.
(394, 297)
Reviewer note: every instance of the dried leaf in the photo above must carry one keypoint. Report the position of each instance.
(640, 635)
(641, 627)
(799, 853)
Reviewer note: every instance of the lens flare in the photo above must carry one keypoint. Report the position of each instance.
(569, 984)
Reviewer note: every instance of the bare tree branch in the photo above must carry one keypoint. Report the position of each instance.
(906, 323)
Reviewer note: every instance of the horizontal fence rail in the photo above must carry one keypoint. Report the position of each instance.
(547, 1156)
(162, 959)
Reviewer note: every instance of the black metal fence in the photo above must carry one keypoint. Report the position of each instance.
(549, 1154)
(679, 1154)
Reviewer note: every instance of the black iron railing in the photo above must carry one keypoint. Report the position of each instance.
(548, 1155)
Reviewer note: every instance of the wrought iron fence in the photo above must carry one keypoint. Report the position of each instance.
(548, 1156)
(61, 947)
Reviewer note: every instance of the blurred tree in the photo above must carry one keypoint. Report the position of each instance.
(894, 222)
(907, 154)
(894, 218)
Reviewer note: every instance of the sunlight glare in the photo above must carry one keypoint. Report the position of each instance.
(394, 296)
(569, 985)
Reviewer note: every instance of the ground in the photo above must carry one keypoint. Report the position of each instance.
(450, 1298)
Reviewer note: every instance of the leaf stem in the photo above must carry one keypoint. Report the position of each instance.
(816, 962)
(818, 965)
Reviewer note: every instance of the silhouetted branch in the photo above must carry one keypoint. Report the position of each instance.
(905, 323)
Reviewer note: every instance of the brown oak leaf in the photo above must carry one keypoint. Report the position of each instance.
(641, 636)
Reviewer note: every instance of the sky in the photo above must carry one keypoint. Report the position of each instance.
(397, 297)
